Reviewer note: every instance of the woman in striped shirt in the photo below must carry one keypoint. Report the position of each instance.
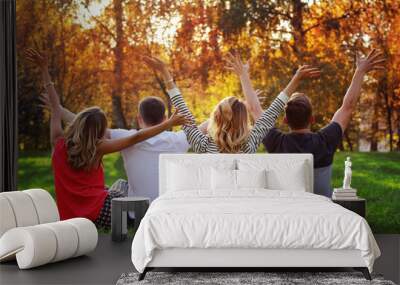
(229, 129)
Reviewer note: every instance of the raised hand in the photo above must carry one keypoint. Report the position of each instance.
(159, 66)
(241, 69)
(178, 119)
(258, 92)
(373, 61)
(307, 71)
(44, 101)
(51, 99)
(36, 57)
(40, 59)
(236, 64)
(154, 63)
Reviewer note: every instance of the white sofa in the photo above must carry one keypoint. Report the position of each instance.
(31, 231)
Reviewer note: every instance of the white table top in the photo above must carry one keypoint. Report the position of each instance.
(131, 199)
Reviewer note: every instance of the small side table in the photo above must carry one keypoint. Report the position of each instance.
(119, 214)
(357, 205)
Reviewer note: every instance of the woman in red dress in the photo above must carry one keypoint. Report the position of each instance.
(78, 152)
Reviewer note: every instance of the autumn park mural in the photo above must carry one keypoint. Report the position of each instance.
(95, 49)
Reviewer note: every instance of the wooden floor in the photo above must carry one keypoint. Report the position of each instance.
(110, 260)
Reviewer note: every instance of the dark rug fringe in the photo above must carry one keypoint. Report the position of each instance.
(244, 278)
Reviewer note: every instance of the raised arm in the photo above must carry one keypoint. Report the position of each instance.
(235, 64)
(197, 139)
(303, 72)
(40, 59)
(374, 61)
(113, 145)
(266, 122)
(203, 127)
(241, 69)
(66, 115)
(159, 66)
(268, 118)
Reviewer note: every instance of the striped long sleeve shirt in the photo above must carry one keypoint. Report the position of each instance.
(202, 143)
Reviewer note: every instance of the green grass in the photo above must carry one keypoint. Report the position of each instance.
(35, 171)
(376, 176)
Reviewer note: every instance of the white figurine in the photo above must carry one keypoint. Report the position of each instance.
(347, 174)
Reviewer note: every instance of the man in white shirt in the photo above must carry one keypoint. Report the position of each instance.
(141, 160)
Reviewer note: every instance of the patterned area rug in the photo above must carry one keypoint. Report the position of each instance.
(243, 278)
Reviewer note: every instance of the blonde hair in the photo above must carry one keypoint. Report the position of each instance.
(229, 125)
(82, 137)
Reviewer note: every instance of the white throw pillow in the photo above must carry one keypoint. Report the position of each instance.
(293, 180)
(227, 179)
(223, 179)
(280, 175)
(187, 175)
(251, 178)
(184, 178)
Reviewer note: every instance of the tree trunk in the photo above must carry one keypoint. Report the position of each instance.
(389, 122)
(296, 22)
(340, 146)
(398, 133)
(118, 119)
(375, 123)
(374, 140)
(348, 140)
(385, 92)
(61, 82)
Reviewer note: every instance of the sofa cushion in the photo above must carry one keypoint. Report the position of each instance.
(23, 208)
(26, 208)
(31, 246)
(87, 235)
(7, 220)
(45, 205)
(67, 240)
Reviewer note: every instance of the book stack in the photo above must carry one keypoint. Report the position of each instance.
(344, 194)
